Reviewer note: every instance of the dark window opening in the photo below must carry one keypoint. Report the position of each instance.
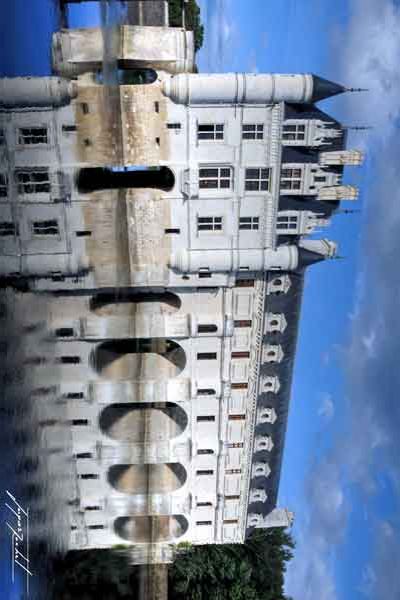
(64, 332)
(206, 392)
(233, 471)
(157, 141)
(207, 329)
(89, 476)
(28, 136)
(83, 233)
(49, 227)
(93, 508)
(69, 360)
(204, 472)
(245, 282)
(230, 521)
(85, 108)
(204, 274)
(242, 323)
(236, 445)
(84, 455)
(205, 451)
(75, 396)
(237, 418)
(203, 503)
(68, 128)
(95, 526)
(8, 229)
(126, 74)
(206, 356)
(203, 522)
(205, 418)
(157, 107)
(172, 231)
(236, 497)
(240, 355)
(33, 181)
(173, 125)
(239, 386)
(87, 142)
(92, 179)
(79, 422)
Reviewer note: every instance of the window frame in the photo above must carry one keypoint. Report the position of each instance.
(257, 182)
(255, 134)
(218, 177)
(251, 223)
(46, 228)
(293, 132)
(286, 224)
(22, 138)
(209, 224)
(215, 132)
(23, 187)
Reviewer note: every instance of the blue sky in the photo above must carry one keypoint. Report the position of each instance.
(340, 473)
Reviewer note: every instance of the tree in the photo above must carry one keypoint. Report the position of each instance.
(192, 19)
(251, 571)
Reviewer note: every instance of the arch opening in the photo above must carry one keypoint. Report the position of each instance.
(130, 302)
(139, 359)
(127, 74)
(143, 422)
(151, 529)
(93, 179)
(157, 478)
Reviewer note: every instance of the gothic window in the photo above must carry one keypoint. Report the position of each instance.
(33, 181)
(294, 132)
(287, 223)
(291, 179)
(32, 136)
(3, 185)
(249, 223)
(8, 229)
(209, 223)
(253, 131)
(215, 178)
(49, 227)
(257, 179)
(212, 131)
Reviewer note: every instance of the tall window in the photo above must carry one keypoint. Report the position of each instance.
(8, 229)
(209, 223)
(33, 181)
(29, 136)
(49, 227)
(287, 223)
(291, 179)
(253, 131)
(294, 132)
(3, 185)
(215, 178)
(257, 179)
(249, 222)
(212, 131)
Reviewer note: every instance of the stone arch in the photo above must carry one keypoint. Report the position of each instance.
(139, 359)
(128, 73)
(143, 422)
(131, 302)
(151, 529)
(92, 179)
(157, 478)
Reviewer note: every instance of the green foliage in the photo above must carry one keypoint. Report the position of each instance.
(192, 19)
(252, 571)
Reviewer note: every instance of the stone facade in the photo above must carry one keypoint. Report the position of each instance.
(168, 213)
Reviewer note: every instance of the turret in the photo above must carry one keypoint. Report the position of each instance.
(25, 92)
(313, 251)
(248, 88)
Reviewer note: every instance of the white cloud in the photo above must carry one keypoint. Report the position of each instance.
(327, 408)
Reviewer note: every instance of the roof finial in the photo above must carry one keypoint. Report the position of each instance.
(349, 211)
(351, 89)
(358, 127)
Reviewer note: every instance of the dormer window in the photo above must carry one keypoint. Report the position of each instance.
(291, 179)
(287, 224)
(278, 285)
(266, 414)
(294, 132)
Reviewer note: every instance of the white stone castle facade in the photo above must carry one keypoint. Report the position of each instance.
(168, 215)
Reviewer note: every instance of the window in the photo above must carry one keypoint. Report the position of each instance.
(95, 526)
(295, 132)
(2, 137)
(92, 507)
(29, 136)
(84, 455)
(173, 126)
(85, 108)
(236, 445)
(49, 227)
(69, 360)
(319, 178)
(239, 386)
(210, 132)
(172, 231)
(206, 356)
(287, 223)
(8, 229)
(205, 451)
(203, 522)
(249, 222)
(237, 418)
(75, 396)
(157, 107)
(203, 503)
(240, 355)
(230, 521)
(33, 181)
(215, 178)
(205, 418)
(233, 471)
(79, 422)
(207, 328)
(253, 131)
(291, 179)
(204, 274)
(64, 332)
(209, 223)
(232, 497)
(68, 128)
(257, 179)
(206, 392)
(242, 323)
(244, 283)
(84, 233)
(3, 185)
(205, 472)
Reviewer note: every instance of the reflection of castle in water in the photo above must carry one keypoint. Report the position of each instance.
(176, 289)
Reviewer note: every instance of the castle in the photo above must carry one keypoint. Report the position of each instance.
(170, 216)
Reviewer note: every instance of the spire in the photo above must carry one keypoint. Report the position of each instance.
(314, 251)
(323, 88)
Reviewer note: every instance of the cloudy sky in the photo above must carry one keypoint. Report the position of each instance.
(341, 470)
(341, 473)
